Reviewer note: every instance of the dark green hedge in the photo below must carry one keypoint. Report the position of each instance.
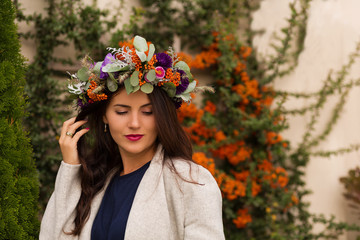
(19, 186)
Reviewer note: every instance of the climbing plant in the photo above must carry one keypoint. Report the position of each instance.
(65, 22)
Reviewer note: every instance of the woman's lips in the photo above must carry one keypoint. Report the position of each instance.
(134, 137)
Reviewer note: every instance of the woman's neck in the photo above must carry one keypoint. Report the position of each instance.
(132, 162)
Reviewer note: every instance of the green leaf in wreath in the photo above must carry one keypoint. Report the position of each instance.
(191, 87)
(141, 55)
(83, 74)
(134, 79)
(151, 75)
(111, 67)
(128, 87)
(96, 68)
(147, 88)
(185, 96)
(151, 52)
(183, 66)
(170, 88)
(111, 85)
(140, 44)
(136, 88)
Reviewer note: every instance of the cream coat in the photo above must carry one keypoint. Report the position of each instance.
(164, 208)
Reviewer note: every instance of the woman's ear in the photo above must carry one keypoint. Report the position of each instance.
(105, 120)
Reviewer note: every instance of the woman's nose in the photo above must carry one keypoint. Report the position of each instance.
(134, 120)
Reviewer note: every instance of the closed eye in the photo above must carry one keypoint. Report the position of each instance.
(121, 113)
(147, 113)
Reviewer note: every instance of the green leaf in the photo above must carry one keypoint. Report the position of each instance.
(185, 96)
(128, 87)
(151, 52)
(87, 86)
(191, 87)
(140, 44)
(141, 55)
(170, 88)
(112, 77)
(134, 79)
(136, 88)
(126, 68)
(112, 67)
(147, 88)
(183, 66)
(111, 84)
(83, 74)
(151, 75)
(97, 67)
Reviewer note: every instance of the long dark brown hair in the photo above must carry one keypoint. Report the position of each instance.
(99, 154)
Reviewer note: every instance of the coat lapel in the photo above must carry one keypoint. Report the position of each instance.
(149, 217)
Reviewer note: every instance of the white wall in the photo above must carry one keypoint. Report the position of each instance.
(332, 33)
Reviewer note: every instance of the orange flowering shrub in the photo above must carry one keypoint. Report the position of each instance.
(237, 128)
(242, 219)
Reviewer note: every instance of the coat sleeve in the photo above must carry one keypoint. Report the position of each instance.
(203, 208)
(60, 210)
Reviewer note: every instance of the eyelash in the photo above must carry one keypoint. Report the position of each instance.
(123, 113)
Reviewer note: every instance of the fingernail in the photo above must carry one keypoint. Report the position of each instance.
(87, 128)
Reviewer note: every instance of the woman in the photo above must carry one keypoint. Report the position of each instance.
(129, 174)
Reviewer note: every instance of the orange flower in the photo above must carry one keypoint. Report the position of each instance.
(242, 219)
(265, 166)
(220, 178)
(206, 58)
(210, 107)
(92, 92)
(255, 188)
(187, 110)
(239, 67)
(267, 101)
(220, 136)
(294, 199)
(273, 138)
(236, 133)
(241, 176)
(185, 57)
(242, 154)
(245, 51)
(283, 181)
(201, 159)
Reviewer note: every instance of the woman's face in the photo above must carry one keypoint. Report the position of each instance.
(132, 123)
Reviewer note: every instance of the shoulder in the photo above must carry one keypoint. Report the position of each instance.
(190, 176)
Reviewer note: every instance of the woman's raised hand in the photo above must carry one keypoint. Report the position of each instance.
(68, 140)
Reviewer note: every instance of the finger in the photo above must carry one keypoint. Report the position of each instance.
(72, 128)
(79, 134)
(65, 127)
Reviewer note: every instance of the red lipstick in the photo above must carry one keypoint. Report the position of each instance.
(134, 137)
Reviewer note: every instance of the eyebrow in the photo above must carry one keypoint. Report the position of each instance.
(127, 106)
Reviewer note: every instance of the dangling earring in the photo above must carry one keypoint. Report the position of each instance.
(105, 128)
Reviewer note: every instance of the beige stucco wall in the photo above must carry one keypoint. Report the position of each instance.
(332, 33)
(333, 29)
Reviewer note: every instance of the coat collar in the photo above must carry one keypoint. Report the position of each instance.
(149, 208)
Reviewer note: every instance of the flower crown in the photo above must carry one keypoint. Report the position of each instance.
(138, 68)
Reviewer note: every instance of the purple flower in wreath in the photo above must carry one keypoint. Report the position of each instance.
(109, 58)
(177, 102)
(163, 60)
(81, 104)
(183, 86)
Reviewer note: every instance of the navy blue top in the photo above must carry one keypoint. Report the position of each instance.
(111, 219)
